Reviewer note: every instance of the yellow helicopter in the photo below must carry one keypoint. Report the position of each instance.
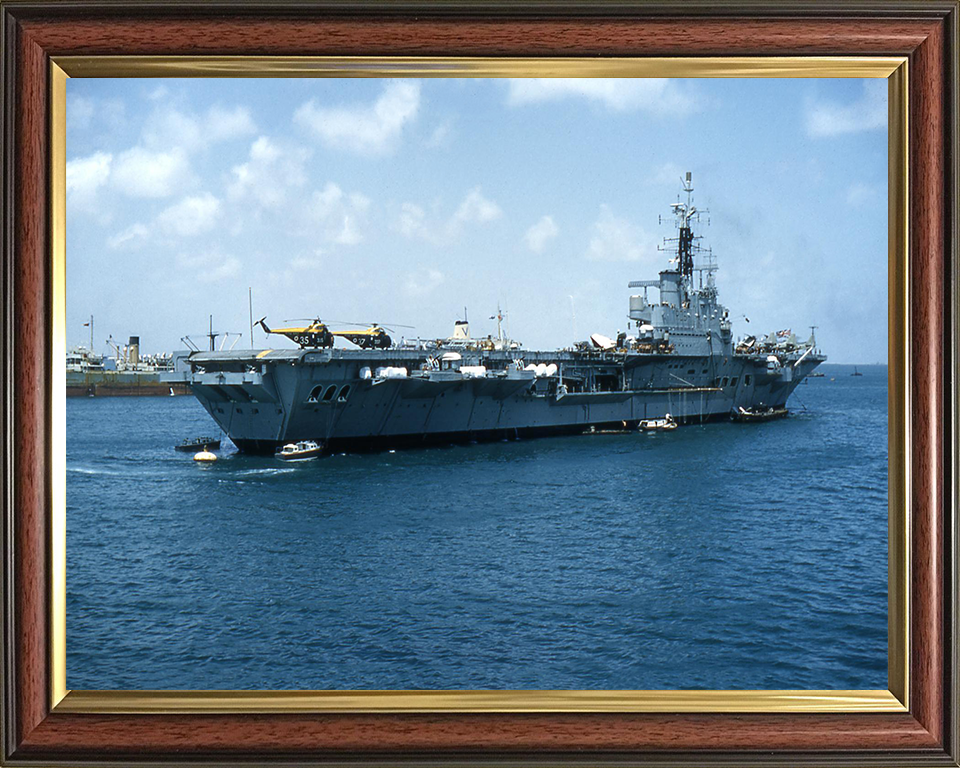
(314, 335)
(318, 335)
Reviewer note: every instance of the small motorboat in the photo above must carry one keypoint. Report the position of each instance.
(205, 456)
(658, 425)
(304, 449)
(742, 414)
(194, 444)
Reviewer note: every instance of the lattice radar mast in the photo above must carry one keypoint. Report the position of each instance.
(690, 256)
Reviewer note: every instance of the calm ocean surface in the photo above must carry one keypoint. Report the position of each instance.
(718, 556)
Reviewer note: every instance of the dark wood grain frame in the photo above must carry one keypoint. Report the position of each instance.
(34, 733)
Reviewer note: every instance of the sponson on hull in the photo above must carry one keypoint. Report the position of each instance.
(678, 356)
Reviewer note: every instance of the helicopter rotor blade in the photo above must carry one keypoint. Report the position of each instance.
(385, 326)
(391, 326)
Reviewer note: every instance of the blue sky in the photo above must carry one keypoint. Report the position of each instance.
(403, 201)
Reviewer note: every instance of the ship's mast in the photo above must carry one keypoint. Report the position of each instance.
(91, 334)
(685, 212)
(212, 336)
(688, 244)
(499, 318)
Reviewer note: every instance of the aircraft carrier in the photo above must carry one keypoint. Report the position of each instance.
(678, 357)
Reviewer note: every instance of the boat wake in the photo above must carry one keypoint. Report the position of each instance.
(91, 471)
(266, 471)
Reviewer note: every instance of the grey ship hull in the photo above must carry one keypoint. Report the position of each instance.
(264, 399)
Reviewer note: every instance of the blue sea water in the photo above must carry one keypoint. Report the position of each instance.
(716, 556)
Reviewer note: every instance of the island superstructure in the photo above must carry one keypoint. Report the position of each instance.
(678, 357)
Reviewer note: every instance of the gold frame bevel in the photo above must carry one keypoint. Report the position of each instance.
(895, 699)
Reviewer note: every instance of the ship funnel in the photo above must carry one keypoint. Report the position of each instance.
(133, 356)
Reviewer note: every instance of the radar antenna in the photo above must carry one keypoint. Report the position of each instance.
(499, 317)
(685, 212)
(688, 246)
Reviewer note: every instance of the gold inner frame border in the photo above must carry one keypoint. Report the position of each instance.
(895, 699)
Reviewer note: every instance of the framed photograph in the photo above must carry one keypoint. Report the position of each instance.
(525, 506)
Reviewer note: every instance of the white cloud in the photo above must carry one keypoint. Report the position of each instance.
(139, 172)
(540, 234)
(209, 266)
(112, 113)
(274, 179)
(95, 118)
(423, 282)
(190, 216)
(868, 113)
(412, 220)
(474, 209)
(307, 263)
(80, 112)
(227, 268)
(168, 127)
(222, 123)
(269, 174)
(132, 237)
(668, 173)
(441, 135)
(159, 165)
(657, 95)
(364, 128)
(616, 239)
(340, 215)
(85, 175)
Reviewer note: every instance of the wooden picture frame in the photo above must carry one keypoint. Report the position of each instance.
(917, 723)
